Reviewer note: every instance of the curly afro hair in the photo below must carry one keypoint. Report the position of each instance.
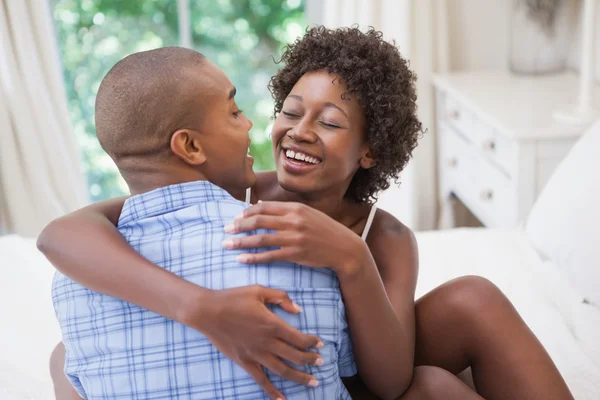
(379, 77)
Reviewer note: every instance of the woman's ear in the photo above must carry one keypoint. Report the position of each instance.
(185, 144)
(367, 161)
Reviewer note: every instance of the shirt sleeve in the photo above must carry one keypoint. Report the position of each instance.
(74, 379)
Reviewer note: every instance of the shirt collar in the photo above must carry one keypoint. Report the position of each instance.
(170, 198)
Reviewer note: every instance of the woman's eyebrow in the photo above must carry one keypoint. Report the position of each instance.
(326, 104)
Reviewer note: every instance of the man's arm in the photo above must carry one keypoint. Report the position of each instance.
(87, 247)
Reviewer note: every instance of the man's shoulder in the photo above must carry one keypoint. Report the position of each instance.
(223, 208)
(188, 198)
(214, 211)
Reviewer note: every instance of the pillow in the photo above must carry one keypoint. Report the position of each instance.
(564, 224)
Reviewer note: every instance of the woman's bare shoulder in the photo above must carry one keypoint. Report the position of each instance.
(389, 239)
(386, 224)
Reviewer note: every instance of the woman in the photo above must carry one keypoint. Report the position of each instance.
(346, 124)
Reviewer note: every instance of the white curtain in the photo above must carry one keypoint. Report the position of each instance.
(419, 28)
(40, 172)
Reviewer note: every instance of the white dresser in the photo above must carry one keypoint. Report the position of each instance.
(498, 142)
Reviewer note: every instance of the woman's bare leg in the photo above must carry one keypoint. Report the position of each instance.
(428, 383)
(63, 390)
(469, 322)
(433, 383)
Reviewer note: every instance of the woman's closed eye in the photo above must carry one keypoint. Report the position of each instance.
(237, 113)
(330, 125)
(327, 124)
(290, 114)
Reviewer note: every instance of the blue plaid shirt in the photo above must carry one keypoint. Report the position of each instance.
(116, 350)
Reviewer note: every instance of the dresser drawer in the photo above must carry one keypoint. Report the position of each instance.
(486, 140)
(499, 141)
(475, 180)
(495, 147)
(457, 115)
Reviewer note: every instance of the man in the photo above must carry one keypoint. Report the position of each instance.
(168, 119)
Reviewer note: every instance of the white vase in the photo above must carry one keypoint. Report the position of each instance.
(539, 46)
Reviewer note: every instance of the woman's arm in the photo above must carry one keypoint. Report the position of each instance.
(384, 343)
(379, 306)
(87, 247)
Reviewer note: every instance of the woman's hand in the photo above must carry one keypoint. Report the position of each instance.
(238, 323)
(302, 234)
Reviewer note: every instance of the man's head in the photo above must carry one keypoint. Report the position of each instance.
(168, 116)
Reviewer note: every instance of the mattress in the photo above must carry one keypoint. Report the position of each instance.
(28, 331)
(567, 327)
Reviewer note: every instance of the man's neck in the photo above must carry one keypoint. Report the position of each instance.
(154, 177)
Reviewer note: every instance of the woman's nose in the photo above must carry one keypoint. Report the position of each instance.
(302, 133)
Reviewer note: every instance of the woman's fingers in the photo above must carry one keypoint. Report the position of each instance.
(259, 376)
(259, 241)
(270, 208)
(298, 357)
(288, 373)
(256, 222)
(284, 254)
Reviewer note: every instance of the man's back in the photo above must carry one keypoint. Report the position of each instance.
(120, 351)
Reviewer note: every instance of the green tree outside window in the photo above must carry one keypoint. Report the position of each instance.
(243, 37)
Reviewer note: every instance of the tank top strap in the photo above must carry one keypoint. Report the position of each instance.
(369, 222)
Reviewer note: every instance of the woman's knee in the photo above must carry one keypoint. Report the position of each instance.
(474, 298)
(433, 383)
(433, 379)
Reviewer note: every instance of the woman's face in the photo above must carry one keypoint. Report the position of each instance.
(319, 138)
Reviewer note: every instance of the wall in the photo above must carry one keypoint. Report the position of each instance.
(479, 32)
(483, 42)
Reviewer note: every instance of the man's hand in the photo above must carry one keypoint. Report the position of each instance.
(238, 323)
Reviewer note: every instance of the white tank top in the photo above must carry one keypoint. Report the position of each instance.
(367, 226)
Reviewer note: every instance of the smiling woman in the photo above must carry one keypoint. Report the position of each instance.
(391, 133)
(242, 39)
(320, 132)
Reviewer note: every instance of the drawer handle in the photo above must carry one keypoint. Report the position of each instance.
(489, 145)
(487, 195)
(453, 162)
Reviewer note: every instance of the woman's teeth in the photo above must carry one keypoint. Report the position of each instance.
(301, 157)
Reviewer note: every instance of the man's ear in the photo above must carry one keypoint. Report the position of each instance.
(367, 161)
(185, 144)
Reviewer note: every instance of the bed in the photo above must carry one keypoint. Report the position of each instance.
(568, 327)
(550, 270)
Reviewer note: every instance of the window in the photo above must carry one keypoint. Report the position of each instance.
(243, 37)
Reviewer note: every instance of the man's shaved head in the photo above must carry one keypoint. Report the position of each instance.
(169, 116)
(146, 97)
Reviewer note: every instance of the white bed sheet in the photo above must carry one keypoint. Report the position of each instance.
(28, 331)
(568, 328)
